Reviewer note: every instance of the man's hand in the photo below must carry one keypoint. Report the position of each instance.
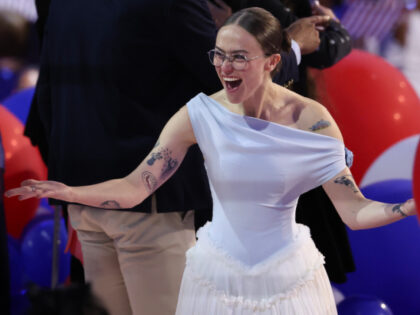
(318, 9)
(220, 11)
(305, 32)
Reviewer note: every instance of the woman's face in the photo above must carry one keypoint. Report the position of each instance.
(235, 42)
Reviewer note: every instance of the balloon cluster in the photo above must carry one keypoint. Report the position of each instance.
(31, 258)
(22, 161)
(30, 234)
(378, 113)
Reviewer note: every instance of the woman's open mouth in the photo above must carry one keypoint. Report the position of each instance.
(232, 83)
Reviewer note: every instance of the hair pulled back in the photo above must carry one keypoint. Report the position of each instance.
(265, 28)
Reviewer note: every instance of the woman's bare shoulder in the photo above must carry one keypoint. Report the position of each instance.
(315, 117)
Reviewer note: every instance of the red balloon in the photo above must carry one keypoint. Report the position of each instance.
(416, 179)
(372, 102)
(22, 161)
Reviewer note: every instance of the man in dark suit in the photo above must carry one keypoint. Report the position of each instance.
(112, 73)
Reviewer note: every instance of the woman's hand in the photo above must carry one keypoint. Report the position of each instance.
(32, 188)
(408, 207)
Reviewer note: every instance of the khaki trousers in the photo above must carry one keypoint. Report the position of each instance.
(134, 261)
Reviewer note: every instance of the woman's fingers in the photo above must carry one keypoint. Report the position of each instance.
(410, 207)
(32, 188)
(27, 196)
(29, 188)
(17, 191)
(28, 182)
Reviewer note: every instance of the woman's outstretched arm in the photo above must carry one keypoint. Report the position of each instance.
(356, 211)
(161, 163)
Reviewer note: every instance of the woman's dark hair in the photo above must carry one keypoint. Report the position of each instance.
(265, 28)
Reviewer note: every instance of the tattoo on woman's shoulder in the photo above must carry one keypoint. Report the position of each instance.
(348, 181)
(322, 124)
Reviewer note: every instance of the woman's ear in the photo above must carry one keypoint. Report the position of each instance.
(272, 62)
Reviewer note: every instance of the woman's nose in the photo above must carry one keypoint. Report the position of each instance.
(226, 66)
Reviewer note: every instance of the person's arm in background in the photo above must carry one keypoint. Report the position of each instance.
(335, 42)
(303, 32)
(305, 39)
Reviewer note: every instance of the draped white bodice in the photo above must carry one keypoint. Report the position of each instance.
(257, 170)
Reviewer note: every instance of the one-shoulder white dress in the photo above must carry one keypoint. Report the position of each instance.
(253, 258)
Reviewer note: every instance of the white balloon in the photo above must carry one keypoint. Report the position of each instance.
(395, 163)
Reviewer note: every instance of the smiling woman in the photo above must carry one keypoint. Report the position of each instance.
(263, 147)
(242, 48)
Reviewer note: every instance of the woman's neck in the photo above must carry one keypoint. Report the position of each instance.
(264, 101)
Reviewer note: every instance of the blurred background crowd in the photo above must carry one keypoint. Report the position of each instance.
(388, 29)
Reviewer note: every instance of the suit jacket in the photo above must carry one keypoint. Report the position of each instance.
(112, 73)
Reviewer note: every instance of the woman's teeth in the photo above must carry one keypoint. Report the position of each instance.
(232, 83)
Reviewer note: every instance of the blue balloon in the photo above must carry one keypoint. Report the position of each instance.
(37, 250)
(8, 82)
(19, 103)
(19, 303)
(15, 265)
(363, 305)
(389, 191)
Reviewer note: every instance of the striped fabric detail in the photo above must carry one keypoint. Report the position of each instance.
(371, 18)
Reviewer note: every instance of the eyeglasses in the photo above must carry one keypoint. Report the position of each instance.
(238, 61)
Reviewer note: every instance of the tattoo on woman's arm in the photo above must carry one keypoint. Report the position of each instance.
(169, 165)
(110, 204)
(149, 181)
(154, 157)
(397, 209)
(322, 124)
(347, 181)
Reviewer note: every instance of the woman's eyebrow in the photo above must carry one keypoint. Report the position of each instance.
(233, 51)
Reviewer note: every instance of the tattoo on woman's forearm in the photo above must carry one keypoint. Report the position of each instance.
(322, 124)
(397, 209)
(347, 181)
(156, 144)
(110, 204)
(149, 181)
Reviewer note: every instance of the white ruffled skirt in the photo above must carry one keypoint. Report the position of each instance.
(291, 281)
